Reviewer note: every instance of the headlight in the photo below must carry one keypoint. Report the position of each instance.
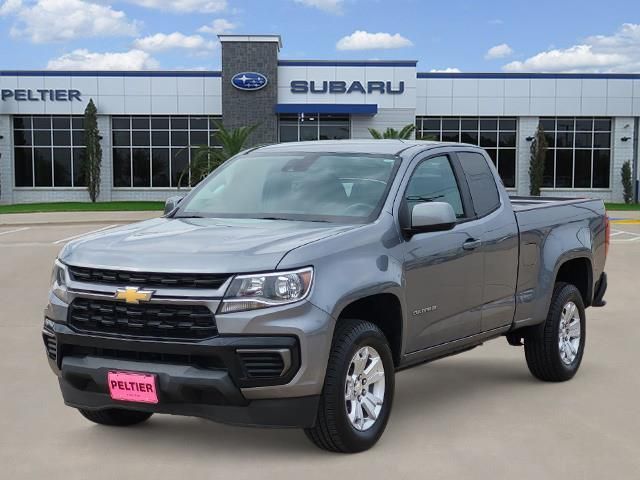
(249, 292)
(59, 281)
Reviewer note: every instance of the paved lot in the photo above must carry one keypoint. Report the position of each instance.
(479, 415)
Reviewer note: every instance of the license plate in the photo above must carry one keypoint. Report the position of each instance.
(133, 387)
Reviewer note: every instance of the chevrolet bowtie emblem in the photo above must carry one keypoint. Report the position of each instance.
(133, 295)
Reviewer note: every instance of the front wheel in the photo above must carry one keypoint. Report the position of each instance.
(554, 350)
(358, 390)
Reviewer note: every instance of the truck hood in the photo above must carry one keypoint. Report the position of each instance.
(202, 245)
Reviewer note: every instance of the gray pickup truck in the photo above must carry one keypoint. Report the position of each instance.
(288, 288)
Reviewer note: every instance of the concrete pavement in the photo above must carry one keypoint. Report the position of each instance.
(478, 415)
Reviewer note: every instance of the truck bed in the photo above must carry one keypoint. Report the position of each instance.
(521, 203)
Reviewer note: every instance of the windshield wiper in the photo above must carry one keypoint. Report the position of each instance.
(420, 198)
(292, 219)
(188, 216)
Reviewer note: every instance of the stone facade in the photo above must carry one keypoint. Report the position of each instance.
(243, 108)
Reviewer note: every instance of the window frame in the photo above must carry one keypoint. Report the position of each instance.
(211, 129)
(403, 213)
(51, 147)
(479, 130)
(573, 149)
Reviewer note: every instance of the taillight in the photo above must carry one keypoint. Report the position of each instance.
(607, 235)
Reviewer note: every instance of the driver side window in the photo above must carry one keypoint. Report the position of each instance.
(434, 181)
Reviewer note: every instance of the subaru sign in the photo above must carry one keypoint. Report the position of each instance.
(249, 81)
(339, 86)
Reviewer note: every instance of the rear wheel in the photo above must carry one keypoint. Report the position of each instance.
(358, 390)
(115, 416)
(554, 350)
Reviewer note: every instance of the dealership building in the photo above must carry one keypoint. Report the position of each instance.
(152, 122)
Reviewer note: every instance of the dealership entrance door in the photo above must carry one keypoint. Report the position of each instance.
(295, 127)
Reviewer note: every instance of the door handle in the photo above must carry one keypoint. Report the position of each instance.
(471, 244)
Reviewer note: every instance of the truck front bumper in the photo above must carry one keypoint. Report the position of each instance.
(203, 379)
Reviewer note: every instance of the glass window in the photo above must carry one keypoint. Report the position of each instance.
(309, 127)
(495, 135)
(564, 168)
(179, 167)
(23, 158)
(451, 136)
(121, 138)
(434, 181)
(332, 187)
(155, 151)
(42, 167)
(451, 124)
(47, 150)
(121, 167)
(482, 184)
(78, 172)
(141, 167)
(199, 138)
(140, 138)
(160, 167)
(62, 167)
(579, 152)
(582, 177)
(507, 166)
(601, 168)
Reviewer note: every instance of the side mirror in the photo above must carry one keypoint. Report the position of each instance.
(432, 217)
(171, 203)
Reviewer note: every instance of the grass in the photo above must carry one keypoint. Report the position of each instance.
(82, 207)
(622, 206)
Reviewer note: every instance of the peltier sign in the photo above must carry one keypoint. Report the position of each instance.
(40, 95)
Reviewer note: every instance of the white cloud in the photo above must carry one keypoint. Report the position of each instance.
(619, 52)
(83, 59)
(361, 40)
(499, 51)
(171, 41)
(219, 26)
(61, 20)
(445, 70)
(330, 6)
(10, 6)
(184, 6)
(495, 21)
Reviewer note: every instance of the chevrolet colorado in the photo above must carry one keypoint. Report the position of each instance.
(288, 287)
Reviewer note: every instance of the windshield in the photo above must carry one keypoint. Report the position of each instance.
(321, 187)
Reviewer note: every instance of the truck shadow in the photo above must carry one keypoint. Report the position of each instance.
(442, 388)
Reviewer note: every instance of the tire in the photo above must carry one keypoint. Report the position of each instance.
(115, 417)
(334, 429)
(549, 357)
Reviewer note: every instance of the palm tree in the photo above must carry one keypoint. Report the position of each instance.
(404, 134)
(206, 159)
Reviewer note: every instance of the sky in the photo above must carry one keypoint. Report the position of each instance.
(456, 35)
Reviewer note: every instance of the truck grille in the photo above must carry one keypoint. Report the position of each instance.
(262, 364)
(153, 321)
(167, 280)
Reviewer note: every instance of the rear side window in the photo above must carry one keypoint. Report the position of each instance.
(482, 184)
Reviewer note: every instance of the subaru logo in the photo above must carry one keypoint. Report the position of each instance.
(249, 81)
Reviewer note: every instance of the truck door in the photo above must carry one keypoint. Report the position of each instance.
(499, 240)
(443, 270)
